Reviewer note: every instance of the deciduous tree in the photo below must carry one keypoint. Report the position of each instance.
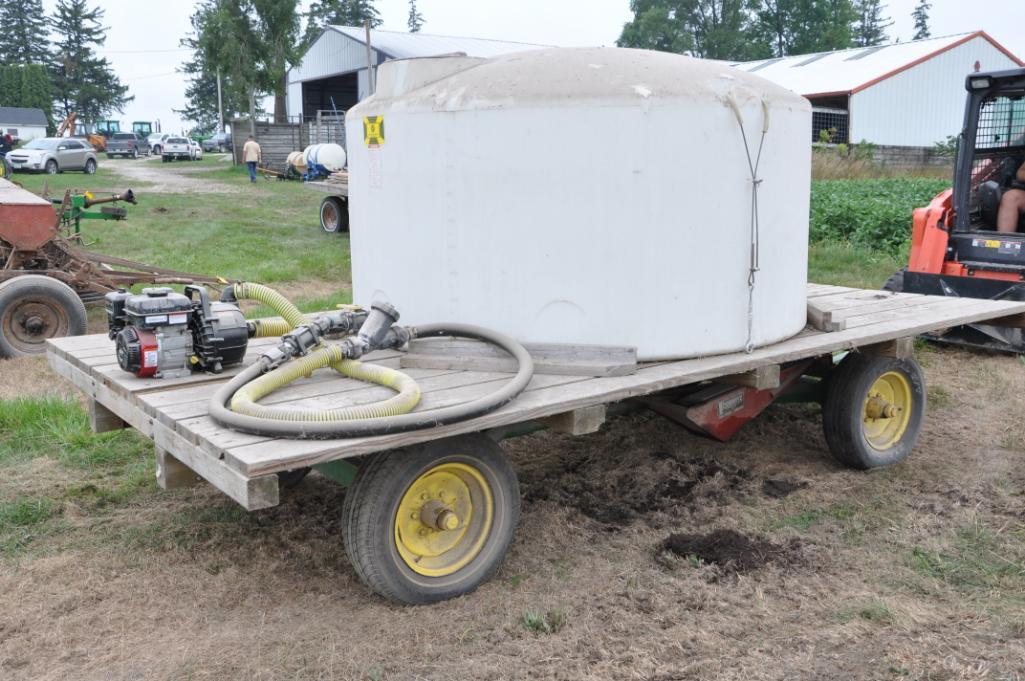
(713, 29)
(339, 13)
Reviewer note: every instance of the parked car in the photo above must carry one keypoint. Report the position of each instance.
(197, 150)
(127, 144)
(156, 142)
(54, 155)
(220, 142)
(176, 149)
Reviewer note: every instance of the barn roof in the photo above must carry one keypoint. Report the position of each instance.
(17, 115)
(402, 45)
(853, 70)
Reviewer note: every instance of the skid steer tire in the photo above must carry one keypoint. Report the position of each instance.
(468, 489)
(895, 284)
(874, 410)
(34, 308)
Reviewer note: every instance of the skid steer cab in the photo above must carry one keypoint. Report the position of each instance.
(956, 249)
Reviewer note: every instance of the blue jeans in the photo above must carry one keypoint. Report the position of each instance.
(252, 170)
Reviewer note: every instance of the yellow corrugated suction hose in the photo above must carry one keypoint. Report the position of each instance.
(270, 328)
(264, 294)
(244, 401)
(408, 392)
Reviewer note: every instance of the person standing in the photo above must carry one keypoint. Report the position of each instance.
(251, 154)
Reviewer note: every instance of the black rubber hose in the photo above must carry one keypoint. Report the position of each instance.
(326, 430)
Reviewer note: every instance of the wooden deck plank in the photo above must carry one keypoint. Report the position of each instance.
(538, 404)
(462, 388)
(173, 411)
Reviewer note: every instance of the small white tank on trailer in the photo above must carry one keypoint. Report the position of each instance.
(330, 157)
(590, 196)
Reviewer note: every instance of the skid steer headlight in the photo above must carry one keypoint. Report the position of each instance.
(981, 83)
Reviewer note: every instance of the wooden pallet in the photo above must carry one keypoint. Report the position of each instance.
(173, 412)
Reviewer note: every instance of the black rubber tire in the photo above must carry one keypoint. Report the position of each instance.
(90, 167)
(895, 284)
(164, 159)
(843, 410)
(371, 502)
(67, 308)
(6, 169)
(135, 155)
(51, 167)
(334, 215)
(110, 157)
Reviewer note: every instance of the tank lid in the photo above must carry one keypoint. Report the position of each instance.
(399, 76)
(603, 76)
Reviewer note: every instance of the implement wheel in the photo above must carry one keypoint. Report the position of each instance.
(874, 409)
(433, 521)
(34, 308)
(334, 215)
(6, 170)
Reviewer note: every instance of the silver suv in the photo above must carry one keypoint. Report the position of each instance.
(54, 155)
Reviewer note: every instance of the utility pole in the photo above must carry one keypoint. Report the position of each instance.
(371, 78)
(220, 103)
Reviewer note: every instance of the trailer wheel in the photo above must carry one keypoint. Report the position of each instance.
(873, 410)
(33, 308)
(433, 521)
(6, 169)
(334, 215)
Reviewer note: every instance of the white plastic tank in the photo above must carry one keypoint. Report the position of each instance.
(297, 160)
(331, 157)
(588, 196)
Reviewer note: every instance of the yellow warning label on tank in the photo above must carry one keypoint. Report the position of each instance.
(373, 130)
(992, 244)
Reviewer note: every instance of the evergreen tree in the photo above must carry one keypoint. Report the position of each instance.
(82, 81)
(870, 25)
(416, 20)
(24, 35)
(712, 29)
(921, 17)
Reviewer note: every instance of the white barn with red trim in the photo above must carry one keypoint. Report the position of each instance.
(907, 94)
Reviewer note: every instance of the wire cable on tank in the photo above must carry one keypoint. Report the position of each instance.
(753, 165)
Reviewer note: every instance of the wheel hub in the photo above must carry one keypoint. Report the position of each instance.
(887, 410)
(31, 321)
(443, 519)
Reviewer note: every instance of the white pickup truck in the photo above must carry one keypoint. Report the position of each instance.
(176, 149)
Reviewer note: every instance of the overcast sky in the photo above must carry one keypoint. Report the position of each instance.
(143, 35)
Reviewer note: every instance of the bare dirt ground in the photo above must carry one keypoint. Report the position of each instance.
(644, 553)
(174, 178)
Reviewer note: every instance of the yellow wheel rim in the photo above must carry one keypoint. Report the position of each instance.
(444, 519)
(887, 410)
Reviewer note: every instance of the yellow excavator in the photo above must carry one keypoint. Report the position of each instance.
(69, 126)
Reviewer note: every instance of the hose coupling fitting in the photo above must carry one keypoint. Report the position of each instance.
(273, 358)
(301, 340)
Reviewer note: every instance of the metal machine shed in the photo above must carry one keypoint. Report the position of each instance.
(335, 66)
(907, 94)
